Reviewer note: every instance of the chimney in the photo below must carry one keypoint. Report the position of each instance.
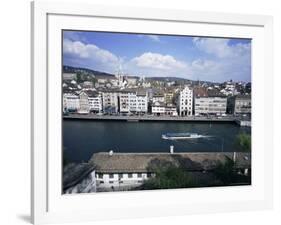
(171, 149)
(111, 152)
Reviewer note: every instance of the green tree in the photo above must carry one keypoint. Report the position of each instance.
(243, 140)
(228, 175)
(225, 171)
(79, 77)
(169, 177)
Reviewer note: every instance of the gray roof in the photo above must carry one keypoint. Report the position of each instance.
(158, 104)
(91, 93)
(170, 105)
(143, 162)
(141, 92)
(157, 95)
(128, 90)
(243, 97)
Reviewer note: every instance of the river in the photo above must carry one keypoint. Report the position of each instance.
(83, 138)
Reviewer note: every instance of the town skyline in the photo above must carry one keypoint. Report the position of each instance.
(191, 58)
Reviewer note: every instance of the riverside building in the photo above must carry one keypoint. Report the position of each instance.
(110, 102)
(95, 101)
(70, 102)
(243, 104)
(133, 101)
(84, 103)
(210, 105)
(185, 102)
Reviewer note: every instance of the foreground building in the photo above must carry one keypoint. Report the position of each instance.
(125, 171)
(185, 102)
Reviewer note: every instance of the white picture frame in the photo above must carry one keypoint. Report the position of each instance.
(48, 205)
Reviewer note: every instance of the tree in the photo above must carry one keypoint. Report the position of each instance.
(228, 175)
(225, 171)
(243, 140)
(169, 177)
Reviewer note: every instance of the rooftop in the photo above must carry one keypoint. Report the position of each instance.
(158, 104)
(200, 91)
(144, 162)
(243, 97)
(158, 95)
(215, 93)
(91, 93)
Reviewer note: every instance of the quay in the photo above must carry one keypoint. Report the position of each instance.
(134, 118)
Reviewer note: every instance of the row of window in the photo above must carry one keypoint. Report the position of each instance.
(182, 108)
(121, 175)
(120, 182)
(243, 103)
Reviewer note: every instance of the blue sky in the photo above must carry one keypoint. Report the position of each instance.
(196, 58)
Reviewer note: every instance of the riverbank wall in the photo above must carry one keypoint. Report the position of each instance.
(235, 120)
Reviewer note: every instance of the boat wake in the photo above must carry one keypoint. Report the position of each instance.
(184, 136)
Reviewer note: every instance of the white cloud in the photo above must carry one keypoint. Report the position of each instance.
(203, 65)
(88, 51)
(158, 61)
(221, 48)
(154, 38)
(223, 59)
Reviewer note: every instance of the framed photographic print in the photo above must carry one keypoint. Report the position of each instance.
(148, 112)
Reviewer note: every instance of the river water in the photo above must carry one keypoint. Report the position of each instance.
(83, 138)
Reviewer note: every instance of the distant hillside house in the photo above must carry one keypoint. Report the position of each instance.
(88, 84)
(103, 79)
(69, 76)
(132, 81)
